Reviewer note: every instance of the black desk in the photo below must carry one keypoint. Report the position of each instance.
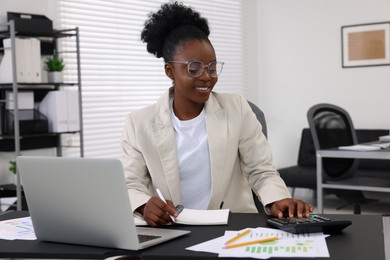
(362, 240)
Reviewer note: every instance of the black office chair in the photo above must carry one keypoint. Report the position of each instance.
(331, 127)
(261, 117)
(303, 174)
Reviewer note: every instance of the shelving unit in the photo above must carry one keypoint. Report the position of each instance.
(17, 142)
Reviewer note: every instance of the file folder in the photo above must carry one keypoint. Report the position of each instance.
(61, 107)
(73, 110)
(25, 100)
(54, 107)
(28, 61)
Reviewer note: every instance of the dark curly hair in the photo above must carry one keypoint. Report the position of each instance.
(171, 26)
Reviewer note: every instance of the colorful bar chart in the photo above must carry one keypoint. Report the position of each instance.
(287, 245)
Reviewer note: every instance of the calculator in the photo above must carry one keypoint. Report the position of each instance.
(313, 224)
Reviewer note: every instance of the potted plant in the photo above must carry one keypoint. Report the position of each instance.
(55, 65)
(12, 169)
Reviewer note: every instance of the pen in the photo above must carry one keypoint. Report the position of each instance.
(163, 199)
(237, 237)
(251, 242)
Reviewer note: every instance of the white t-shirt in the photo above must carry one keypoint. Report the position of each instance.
(194, 161)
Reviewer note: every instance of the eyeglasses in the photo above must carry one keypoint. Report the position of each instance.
(196, 68)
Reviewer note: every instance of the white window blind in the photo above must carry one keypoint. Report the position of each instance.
(119, 75)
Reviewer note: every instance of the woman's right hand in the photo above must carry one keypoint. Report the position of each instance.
(156, 212)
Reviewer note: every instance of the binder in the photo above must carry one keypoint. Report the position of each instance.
(73, 110)
(6, 63)
(25, 100)
(36, 68)
(28, 61)
(61, 107)
(53, 106)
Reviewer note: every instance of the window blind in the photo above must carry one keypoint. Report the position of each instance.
(118, 75)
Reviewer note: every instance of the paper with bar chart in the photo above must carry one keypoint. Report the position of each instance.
(18, 228)
(287, 244)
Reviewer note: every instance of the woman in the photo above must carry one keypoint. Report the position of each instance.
(202, 149)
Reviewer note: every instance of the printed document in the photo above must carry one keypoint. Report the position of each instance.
(18, 228)
(287, 244)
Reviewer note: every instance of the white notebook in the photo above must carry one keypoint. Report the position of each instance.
(195, 217)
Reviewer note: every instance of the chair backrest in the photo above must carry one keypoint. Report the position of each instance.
(331, 126)
(307, 152)
(260, 116)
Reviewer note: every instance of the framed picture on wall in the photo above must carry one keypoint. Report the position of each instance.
(365, 45)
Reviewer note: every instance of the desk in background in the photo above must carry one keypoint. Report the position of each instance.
(361, 241)
(362, 184)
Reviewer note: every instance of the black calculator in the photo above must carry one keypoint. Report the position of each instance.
(313, 224)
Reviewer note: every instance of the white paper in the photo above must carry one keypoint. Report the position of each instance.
(203, 217)
(381, 145)
(287, 245)
(194, 217)
(360, 147)
(210, 246)
(18, 228)
(384, 138)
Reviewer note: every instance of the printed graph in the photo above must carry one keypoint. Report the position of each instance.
(287, 245)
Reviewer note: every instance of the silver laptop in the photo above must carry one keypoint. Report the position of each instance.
(84, 201)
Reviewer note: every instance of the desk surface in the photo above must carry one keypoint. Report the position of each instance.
(362, 240)
(339, 153)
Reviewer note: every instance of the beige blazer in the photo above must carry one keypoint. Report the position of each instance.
(240, 156)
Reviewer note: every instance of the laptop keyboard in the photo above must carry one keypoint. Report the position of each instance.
(143, 238)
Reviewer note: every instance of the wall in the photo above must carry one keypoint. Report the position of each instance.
(44, 7)
(299, 59)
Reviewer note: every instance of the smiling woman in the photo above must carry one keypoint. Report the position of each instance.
(202, 148)
(118, 77)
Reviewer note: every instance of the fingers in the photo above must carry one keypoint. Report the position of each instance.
(172, 209)
(291, 208)
(157, 212)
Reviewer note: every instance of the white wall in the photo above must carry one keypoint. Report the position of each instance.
(44, 7)
(299, 59)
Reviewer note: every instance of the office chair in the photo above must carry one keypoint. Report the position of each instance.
(331, 127)
(303, 174)
(261, 117)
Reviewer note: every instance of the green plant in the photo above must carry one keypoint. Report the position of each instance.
(54, 63)
(12, 167)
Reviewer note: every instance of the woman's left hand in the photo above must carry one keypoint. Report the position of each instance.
(291, 208)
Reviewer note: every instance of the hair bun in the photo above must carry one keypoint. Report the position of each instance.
(161, 23)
